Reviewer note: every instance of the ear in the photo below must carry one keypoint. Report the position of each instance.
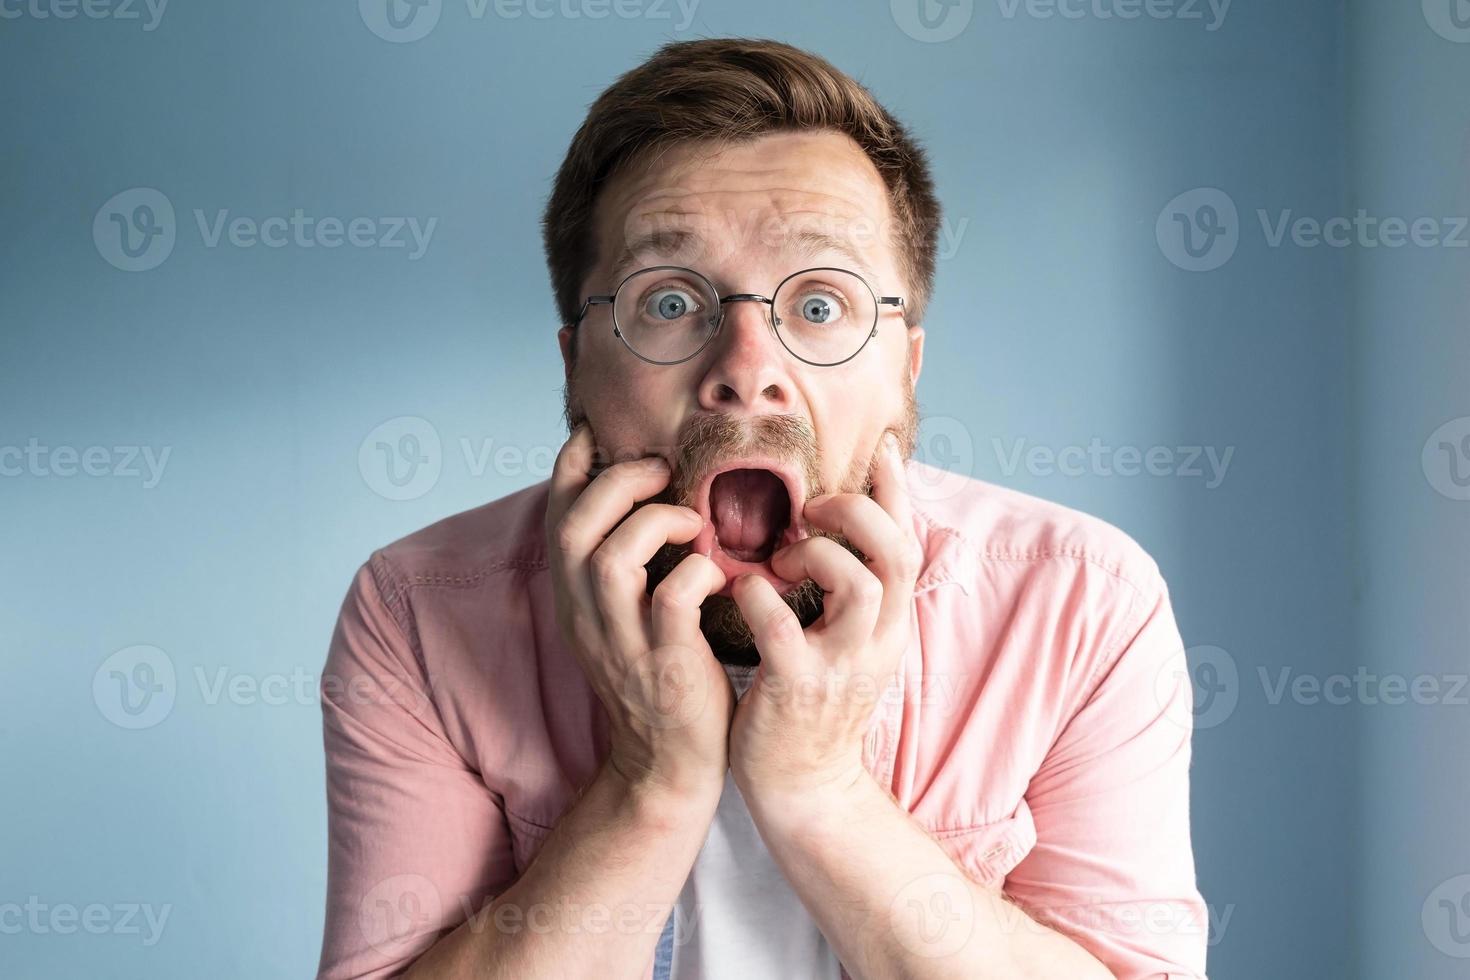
(916, 352)
(564, 340)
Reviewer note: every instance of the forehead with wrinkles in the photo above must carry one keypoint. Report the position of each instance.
(776, 199)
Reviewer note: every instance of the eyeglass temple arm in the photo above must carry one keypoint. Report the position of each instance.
(593, 301)
(885, 301)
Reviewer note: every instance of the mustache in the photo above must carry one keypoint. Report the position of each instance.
(707, 442)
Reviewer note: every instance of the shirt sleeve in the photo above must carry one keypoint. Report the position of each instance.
(416, 841)
(1113, 866)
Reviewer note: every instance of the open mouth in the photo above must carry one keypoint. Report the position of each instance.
(750, 508)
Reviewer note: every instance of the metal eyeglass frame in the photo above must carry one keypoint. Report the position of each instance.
(610, 300)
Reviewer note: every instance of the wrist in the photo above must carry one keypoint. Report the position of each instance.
(658, 803)
(810, 800)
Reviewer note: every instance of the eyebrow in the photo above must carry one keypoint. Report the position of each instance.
(669, 244)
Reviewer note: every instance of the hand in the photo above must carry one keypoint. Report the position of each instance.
(800, 727)
(668, 699)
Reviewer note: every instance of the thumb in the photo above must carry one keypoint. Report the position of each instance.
(775, 628)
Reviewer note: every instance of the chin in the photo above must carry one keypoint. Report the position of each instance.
(728, 634)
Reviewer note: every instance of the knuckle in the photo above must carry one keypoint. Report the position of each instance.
(571, 459)
(569, 534)
(909, 561)
(667, 600)
(779, 624)
(868, 592)
(567, 537)
(605, 567)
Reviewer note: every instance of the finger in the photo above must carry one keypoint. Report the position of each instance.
(890, 484)
(891, 551)
(569, 475)
(863, 522)
(611, 495)
(599, 506)
(619, 578)
(676, 601)
(854, 594)
(775, 628)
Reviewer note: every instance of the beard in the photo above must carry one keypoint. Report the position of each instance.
(706, 440)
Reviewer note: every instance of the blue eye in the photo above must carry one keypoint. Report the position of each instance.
(670, 304)
(816, 308)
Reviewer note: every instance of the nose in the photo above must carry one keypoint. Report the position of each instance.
(749, 369)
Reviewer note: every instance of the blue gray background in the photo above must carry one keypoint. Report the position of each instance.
(1112, 285)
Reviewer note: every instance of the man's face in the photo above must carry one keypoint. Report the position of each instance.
(750, 431)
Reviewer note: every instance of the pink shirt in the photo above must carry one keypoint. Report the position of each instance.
(1039, 728)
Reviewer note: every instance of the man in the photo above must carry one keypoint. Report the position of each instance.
(739, 692)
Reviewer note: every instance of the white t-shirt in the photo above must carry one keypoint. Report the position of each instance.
(737, 917)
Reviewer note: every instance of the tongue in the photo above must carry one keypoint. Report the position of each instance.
(748, 508)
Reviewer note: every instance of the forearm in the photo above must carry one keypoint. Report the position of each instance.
(891, 901)
(596, 897)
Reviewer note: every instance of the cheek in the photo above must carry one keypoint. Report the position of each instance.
(849, 422)
(632, 411)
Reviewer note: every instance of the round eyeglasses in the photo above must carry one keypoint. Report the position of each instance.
(667, 314)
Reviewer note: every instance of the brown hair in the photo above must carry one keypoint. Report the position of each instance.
(735, 89)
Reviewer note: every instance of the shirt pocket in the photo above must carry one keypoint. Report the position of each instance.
(989, 852)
